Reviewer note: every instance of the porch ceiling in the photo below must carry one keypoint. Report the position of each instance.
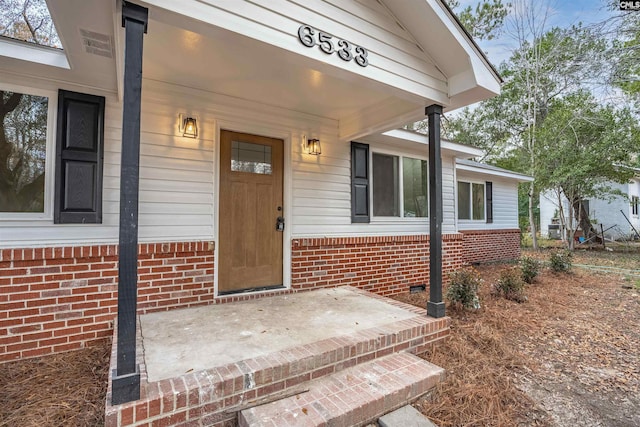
(234, 65)
(190, 53)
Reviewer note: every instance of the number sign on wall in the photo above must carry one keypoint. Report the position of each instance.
(347, 51)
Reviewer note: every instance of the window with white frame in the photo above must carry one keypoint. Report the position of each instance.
(399, 186)
(47, 178)
(24, 151)
(471, 201)
(635, 201)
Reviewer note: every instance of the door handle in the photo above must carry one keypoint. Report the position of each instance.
(280, 224)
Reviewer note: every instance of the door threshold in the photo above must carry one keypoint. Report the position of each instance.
(249, 290)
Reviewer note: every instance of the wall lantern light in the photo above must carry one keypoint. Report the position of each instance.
(188, 126)
(313, 147)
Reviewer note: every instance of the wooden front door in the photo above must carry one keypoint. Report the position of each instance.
(250, 244)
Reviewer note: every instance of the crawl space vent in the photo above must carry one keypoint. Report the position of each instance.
(96, 43)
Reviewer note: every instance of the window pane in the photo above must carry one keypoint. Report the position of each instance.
(385, 185)
(249, 157)
(414, 187)
(464, 199)
(478, 201)
(22, 161)
(30, 21)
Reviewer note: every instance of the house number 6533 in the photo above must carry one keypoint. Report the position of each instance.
(347, 51)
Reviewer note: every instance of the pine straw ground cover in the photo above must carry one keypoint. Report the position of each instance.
(66, 389)
(568, 356)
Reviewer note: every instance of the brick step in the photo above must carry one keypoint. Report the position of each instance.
(352, 397)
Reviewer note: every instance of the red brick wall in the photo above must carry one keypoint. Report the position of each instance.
(491, 245)
(59, 299)
(386, 265)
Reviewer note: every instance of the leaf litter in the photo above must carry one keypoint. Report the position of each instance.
(569, 356)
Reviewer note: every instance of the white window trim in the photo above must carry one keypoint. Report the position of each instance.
(401, 218)
(484, 215)
(49, 163)
(637, 200)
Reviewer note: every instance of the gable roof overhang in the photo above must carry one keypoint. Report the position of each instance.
(404, 138)
(484, 169)
(250, 51)
(471, 77)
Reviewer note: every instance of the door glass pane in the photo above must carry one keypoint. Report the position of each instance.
(385, 185)
(478, 201)
(464, 199)
(414, 187)
(249, 157)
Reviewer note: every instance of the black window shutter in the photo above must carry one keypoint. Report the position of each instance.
(359, 182)
(489, 190)
(79, 158)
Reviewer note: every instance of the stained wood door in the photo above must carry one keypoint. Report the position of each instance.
(250, 246)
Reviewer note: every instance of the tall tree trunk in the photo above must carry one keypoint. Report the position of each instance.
(584, 222)
(532, 219)
(571, 238)
(563, 218)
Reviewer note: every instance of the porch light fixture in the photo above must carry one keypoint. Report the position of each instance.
(313, 147)
(188, 126)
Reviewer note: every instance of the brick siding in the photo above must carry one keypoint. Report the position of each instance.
(64, 298)
(59, 299)
(491, 245)
(386, 265)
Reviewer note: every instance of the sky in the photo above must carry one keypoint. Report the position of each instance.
(562, 13)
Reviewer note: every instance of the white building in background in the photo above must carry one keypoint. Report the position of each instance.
(617, 216)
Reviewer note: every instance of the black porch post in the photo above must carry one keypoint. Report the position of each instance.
(435, 305)
(126, 381)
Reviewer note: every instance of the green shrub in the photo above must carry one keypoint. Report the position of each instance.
(463, 288)
(530, 268)
(510, 285)
(561, 261)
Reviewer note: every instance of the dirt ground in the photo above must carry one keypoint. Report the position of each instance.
(568, 356)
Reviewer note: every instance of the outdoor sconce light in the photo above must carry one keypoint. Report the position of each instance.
(313, 147)
(188, 127)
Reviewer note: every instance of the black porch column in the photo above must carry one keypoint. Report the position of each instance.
(435, 305)
(126, 381)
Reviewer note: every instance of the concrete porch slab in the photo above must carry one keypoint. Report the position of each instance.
(181, 341)
(329, 331)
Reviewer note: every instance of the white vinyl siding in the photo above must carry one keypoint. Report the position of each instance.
(607, 212)
(176, 183)
(322, 192)
(394, 56)
(505, 202)
(178, 176)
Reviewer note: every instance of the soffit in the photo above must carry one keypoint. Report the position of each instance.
(77, 21)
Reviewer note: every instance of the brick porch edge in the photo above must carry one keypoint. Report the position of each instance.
(212, 397)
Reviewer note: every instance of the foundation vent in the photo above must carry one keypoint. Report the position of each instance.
(97, 43)
(417, 289)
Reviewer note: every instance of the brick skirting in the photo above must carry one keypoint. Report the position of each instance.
(491, 245)
(59, 299)
(385, 265)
